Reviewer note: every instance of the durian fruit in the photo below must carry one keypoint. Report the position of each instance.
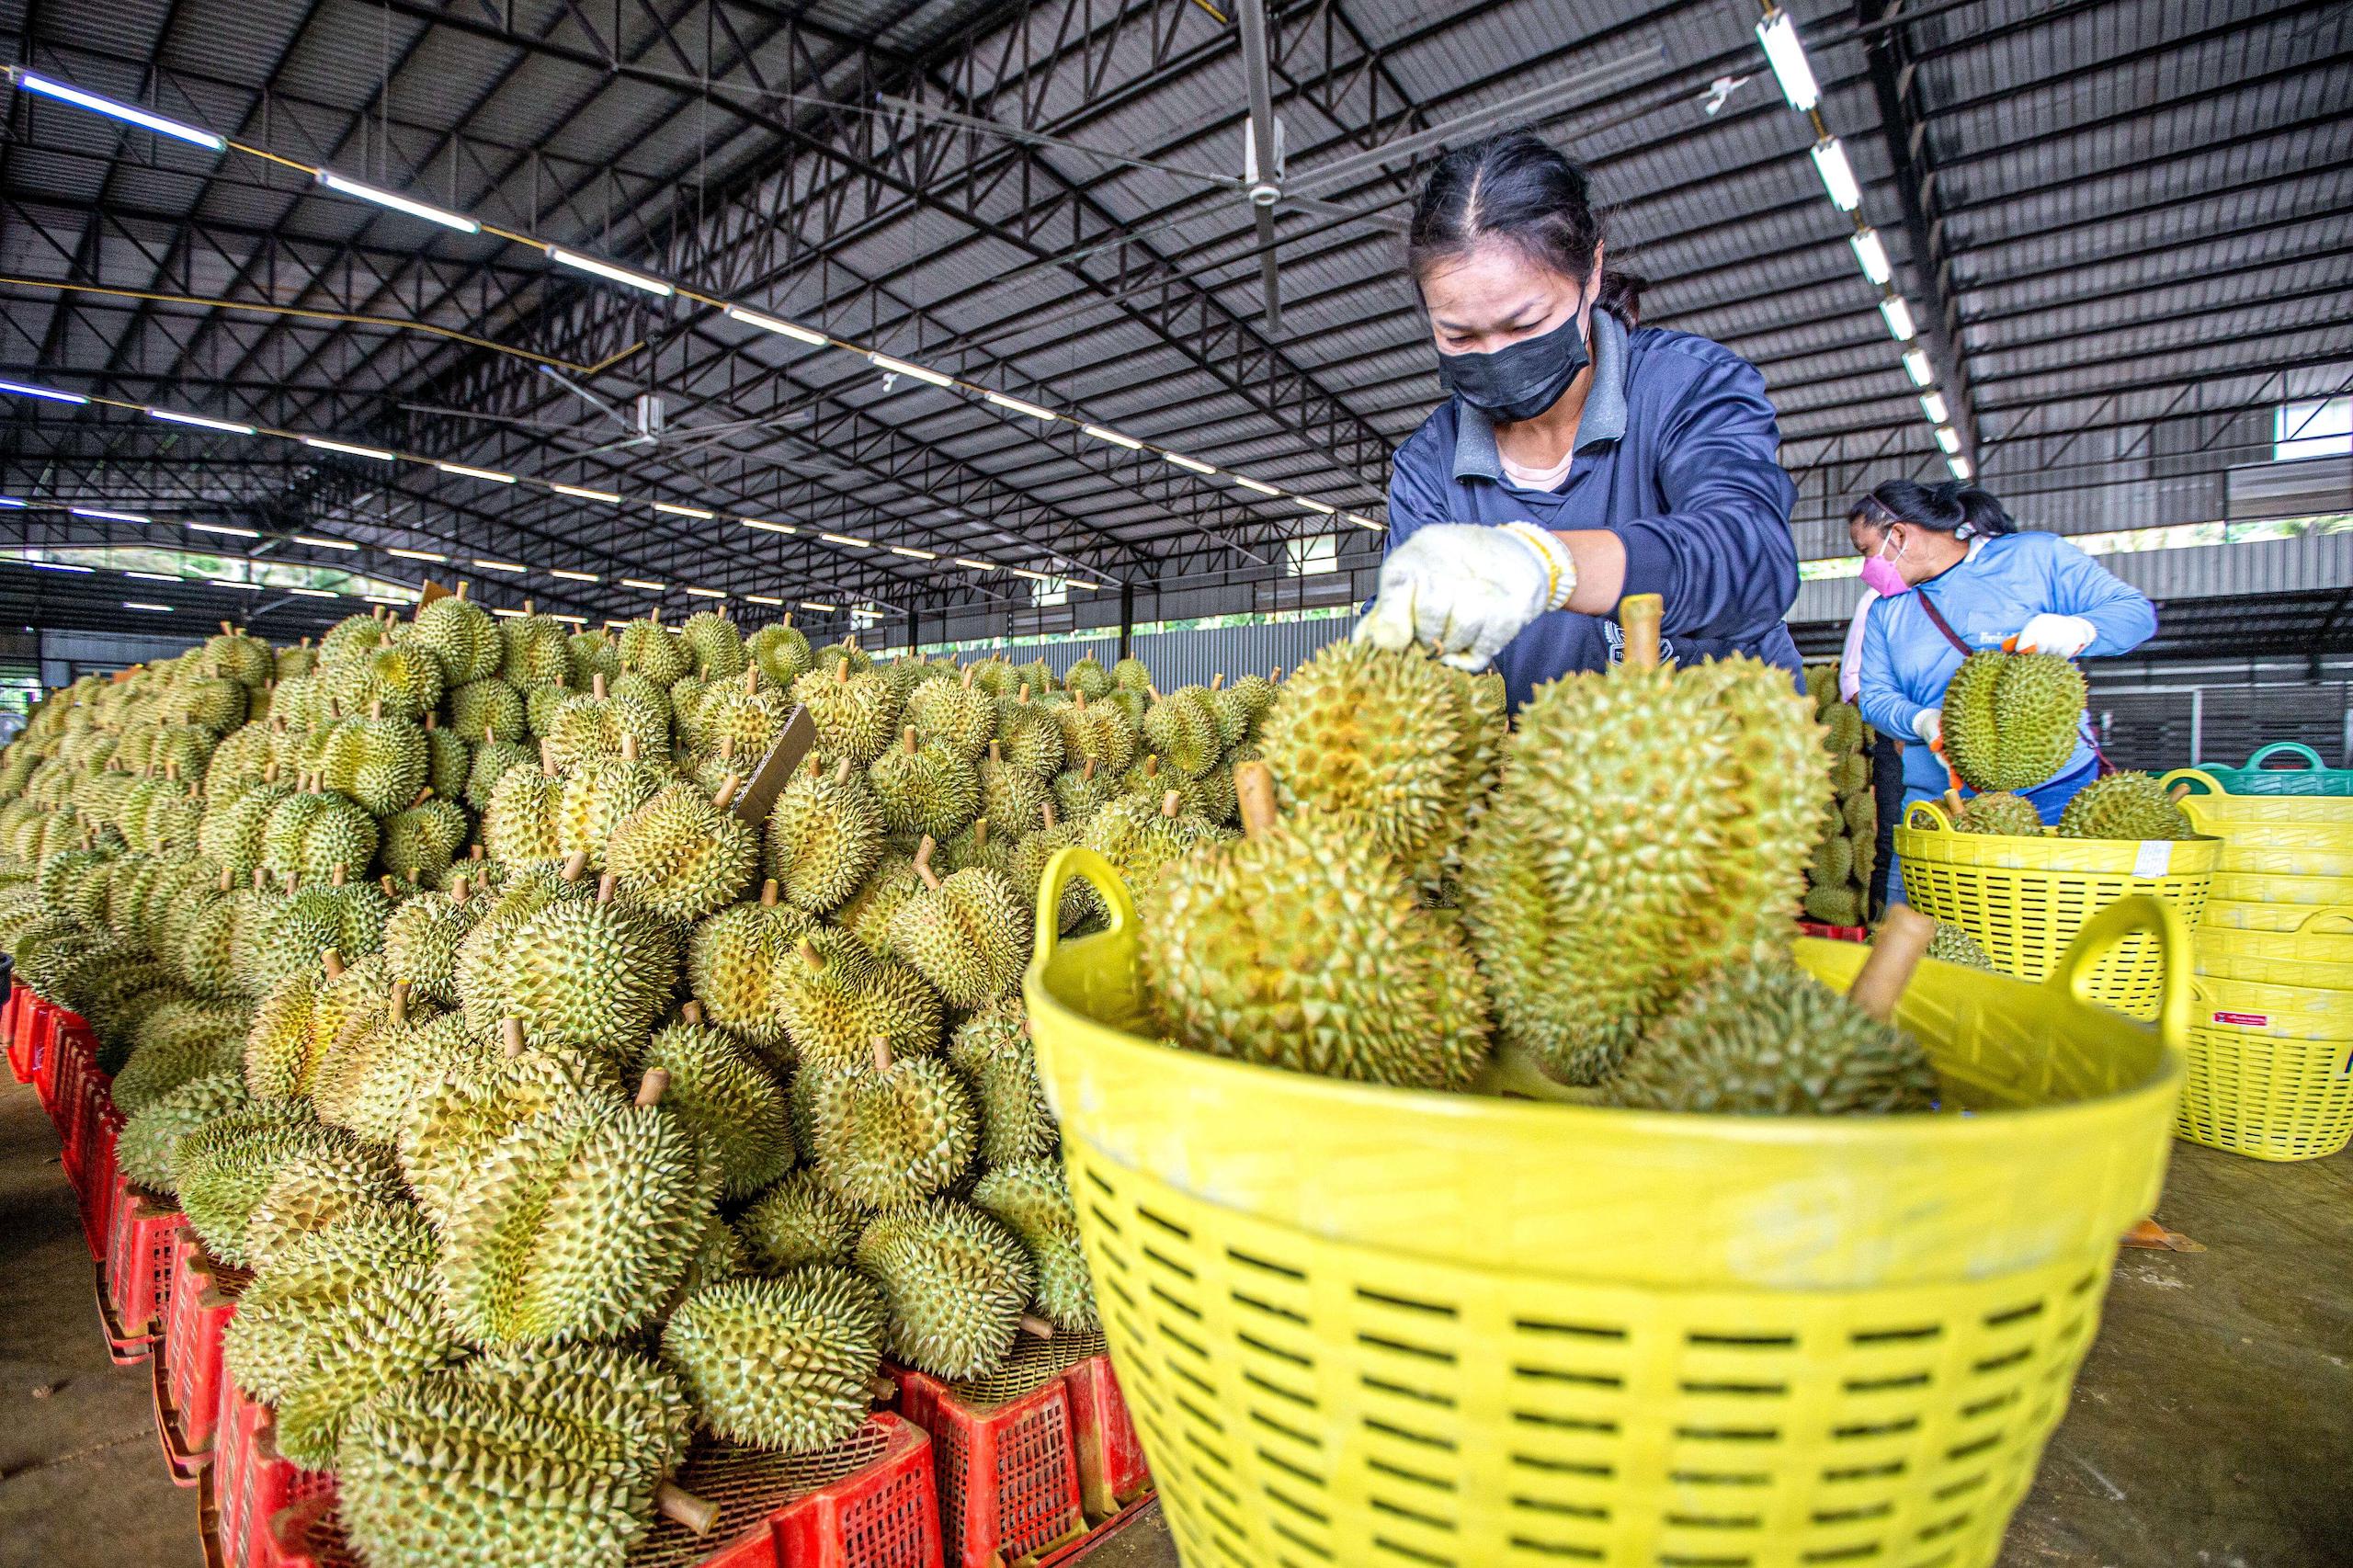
(1760, 1037)
(576, 1223)
(477, 1088)
(595, 797)
(1087, 678)
(1097, 733)
(486, 709)
(2124, 805)
(1615, 860)
(1141, 835)
(683, 853)
(317, 1190)
(1834, 861)
(421, 941)
(221, 1169)
(492, 760)
(554, 1456)
(1999, 812)
(1012, 797)
(966, 934)
(522, 822)
(956, 1282)
(774, 1363)
(1184, 727)
(1834, 906)
(1028, 736)
(1081, 791)
(781, 653)
(2012, 720)
(586, 974)
(833, 995)
(312, 832)
(461, 635)
(449, 760)
(418, 845)
(379, 762)
(956, 714)
(726, 1097)
(513, 896)
(992, 1050)
(404, 680)
(1300, 946)
(1953, 944)
(924, 786)
(592, 653)
(653, 650)
(278, 1051)
(796, 1222)
(732, 961)
(596, 724)
(179, 1040)
(824, 834)
(856, 714)
(891, 1131)
(232, 655)
(532, 651)
(150, 1139)
(1846, 850)
(1030, 1199)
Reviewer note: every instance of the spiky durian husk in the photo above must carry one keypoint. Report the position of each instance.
(461, 635)
(597, 796)
(421, 941)
(888, 1135)
(150, 1139)
(1774, 789)
(1184, 728)
(1763, 1038)
(577, 1224)
(1998, 813)
(316, 1190)
(472, 1096)
(551, 1459)
(1087, 678)
(405, 679)
(223, 1169)
(856, 715)
(824, 836)
(967, 936)
(1834, 906)
(491, 763)
(956, 1282)
(585, 973)
(777, 1364)
(992, 1050)
(418, 844)
(532, 652)
(2124, 805)
(1139, 834)
(924, 786)
(732, 961)
(2012, 720)
(1012, 797)
(1303, 948)
(520, 823)
(380, 763)
(834, 996)
(266, 1348)
(655, 651)
(180, 1040)
(796, 1222)
(1950, 944)
(1032, 1199)
(1097, 733)
(681, 855)
(726, 1097)
(957, 714)
(780, 654)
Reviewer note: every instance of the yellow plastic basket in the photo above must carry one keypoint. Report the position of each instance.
(2316, 952)
(2286, 1012)
(2235, 914)
(2305, 893)
(2025, 898)
(2287, 822)
(1360, 1325)
(2266, 1097)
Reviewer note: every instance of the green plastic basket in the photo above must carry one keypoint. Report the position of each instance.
(2257, 777)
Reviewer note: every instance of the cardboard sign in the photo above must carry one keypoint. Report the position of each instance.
(794, 743)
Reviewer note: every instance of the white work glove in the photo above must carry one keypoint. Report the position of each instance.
(1928, 724)
(2065, 635)
(1468, 589)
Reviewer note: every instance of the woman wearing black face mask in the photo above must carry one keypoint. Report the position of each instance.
(1579, 458)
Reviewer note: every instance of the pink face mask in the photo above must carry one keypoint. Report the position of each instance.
(1880, 576)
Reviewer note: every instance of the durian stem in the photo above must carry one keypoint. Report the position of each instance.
(629, 747)
(698, 1513)
(654, 1085)
(1217, 680)
(841, 772)
(841, 673)
(597, 684)
(224, 630)
(1254, 787)
(1640, 615)
(397, 1008)
(923, 862)
(1152, 767)
(907, 740)
(1046, 812)
(980, 833)
(547, 758)
(606, 886)
(1276, 675)
(1031, 1323)
(727, 787)
(1897, 946)
(752, 681)
(997, 753)
(1172, 804)
(1952, 803)
(458, 889)
(768, 894)
(575, 864)
(375, 708)
(1088, 772)
(881, 1054)
(332, 962)
(2179, 790)
(226, 881)
(808, 952)
(510, 1037)
(881, 1389)
(690, 1010)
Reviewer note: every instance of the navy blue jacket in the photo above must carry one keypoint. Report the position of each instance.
(1676, 455)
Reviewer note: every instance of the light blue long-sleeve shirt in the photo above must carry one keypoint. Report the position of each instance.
(2004, 583)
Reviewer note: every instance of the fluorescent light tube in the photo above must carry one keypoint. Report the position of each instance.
(500, 566)
(585, 494)
(570, 619)
(780, 327)
(1897, 313)
(1958, 465)
(322, 444)
(1113, 437)
(138, 604)
(846, 539)
(1948, 439)
(812, 604)
(506, 614)
(641, 583)
(12, 504)
(920, 373)
(489, 476)
(320, 541)
(1871, 255)
(765, 526)
(1779, 34)
(431, 214)
(678, 511)
(24, 388)
(124, 112)
(976, 565)
(1033, 576)
(57, 566)
(606, 270)
(1364, 522)
(230, 528)
(764, 600)
(415, 554)
(1932, 404)
(234, 583)
(315, 593)
(911, 552)
(104, 515)
(1317, 506)
(171, 416)
(1838, 174)
(1181, 461)
(705, 594)
(1029, 410)
(153, 576)
(570, 577)
(1916, 366)
(1259, 485)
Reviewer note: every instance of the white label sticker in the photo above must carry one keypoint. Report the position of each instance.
(2154, 858)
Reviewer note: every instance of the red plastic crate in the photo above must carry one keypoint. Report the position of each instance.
(249, 1482)
(24, 1031)
(188, 1374)
(82, 1109)
(868, 1502)
(1008, 1465)
(1835, 933)
(136, 1279)
(98, 1185)
(63, 1038)
(10, 1012)
(1111, 1468)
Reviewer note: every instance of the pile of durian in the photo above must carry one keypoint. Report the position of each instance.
(2010, 721)
(1838, 875)
(559, 1111)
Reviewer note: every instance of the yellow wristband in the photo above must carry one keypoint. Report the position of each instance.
(1559, 566)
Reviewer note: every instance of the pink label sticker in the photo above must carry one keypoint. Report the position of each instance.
(2243, 1020)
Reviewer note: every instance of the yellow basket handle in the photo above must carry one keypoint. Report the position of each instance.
(1927, 816)
(2138, 916)
(1099, 874)
(2342, 914)
(2192, 776)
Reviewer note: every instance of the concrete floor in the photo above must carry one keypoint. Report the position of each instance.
(2212, 1426)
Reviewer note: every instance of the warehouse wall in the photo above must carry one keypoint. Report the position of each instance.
(65, 656)
(2159, 714)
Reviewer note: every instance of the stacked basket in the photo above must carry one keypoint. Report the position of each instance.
(2271, 1037)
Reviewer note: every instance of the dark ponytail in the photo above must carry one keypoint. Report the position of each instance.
(1942, 508)
(1516, 188)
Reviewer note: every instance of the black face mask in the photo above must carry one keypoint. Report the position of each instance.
(1520, 379)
